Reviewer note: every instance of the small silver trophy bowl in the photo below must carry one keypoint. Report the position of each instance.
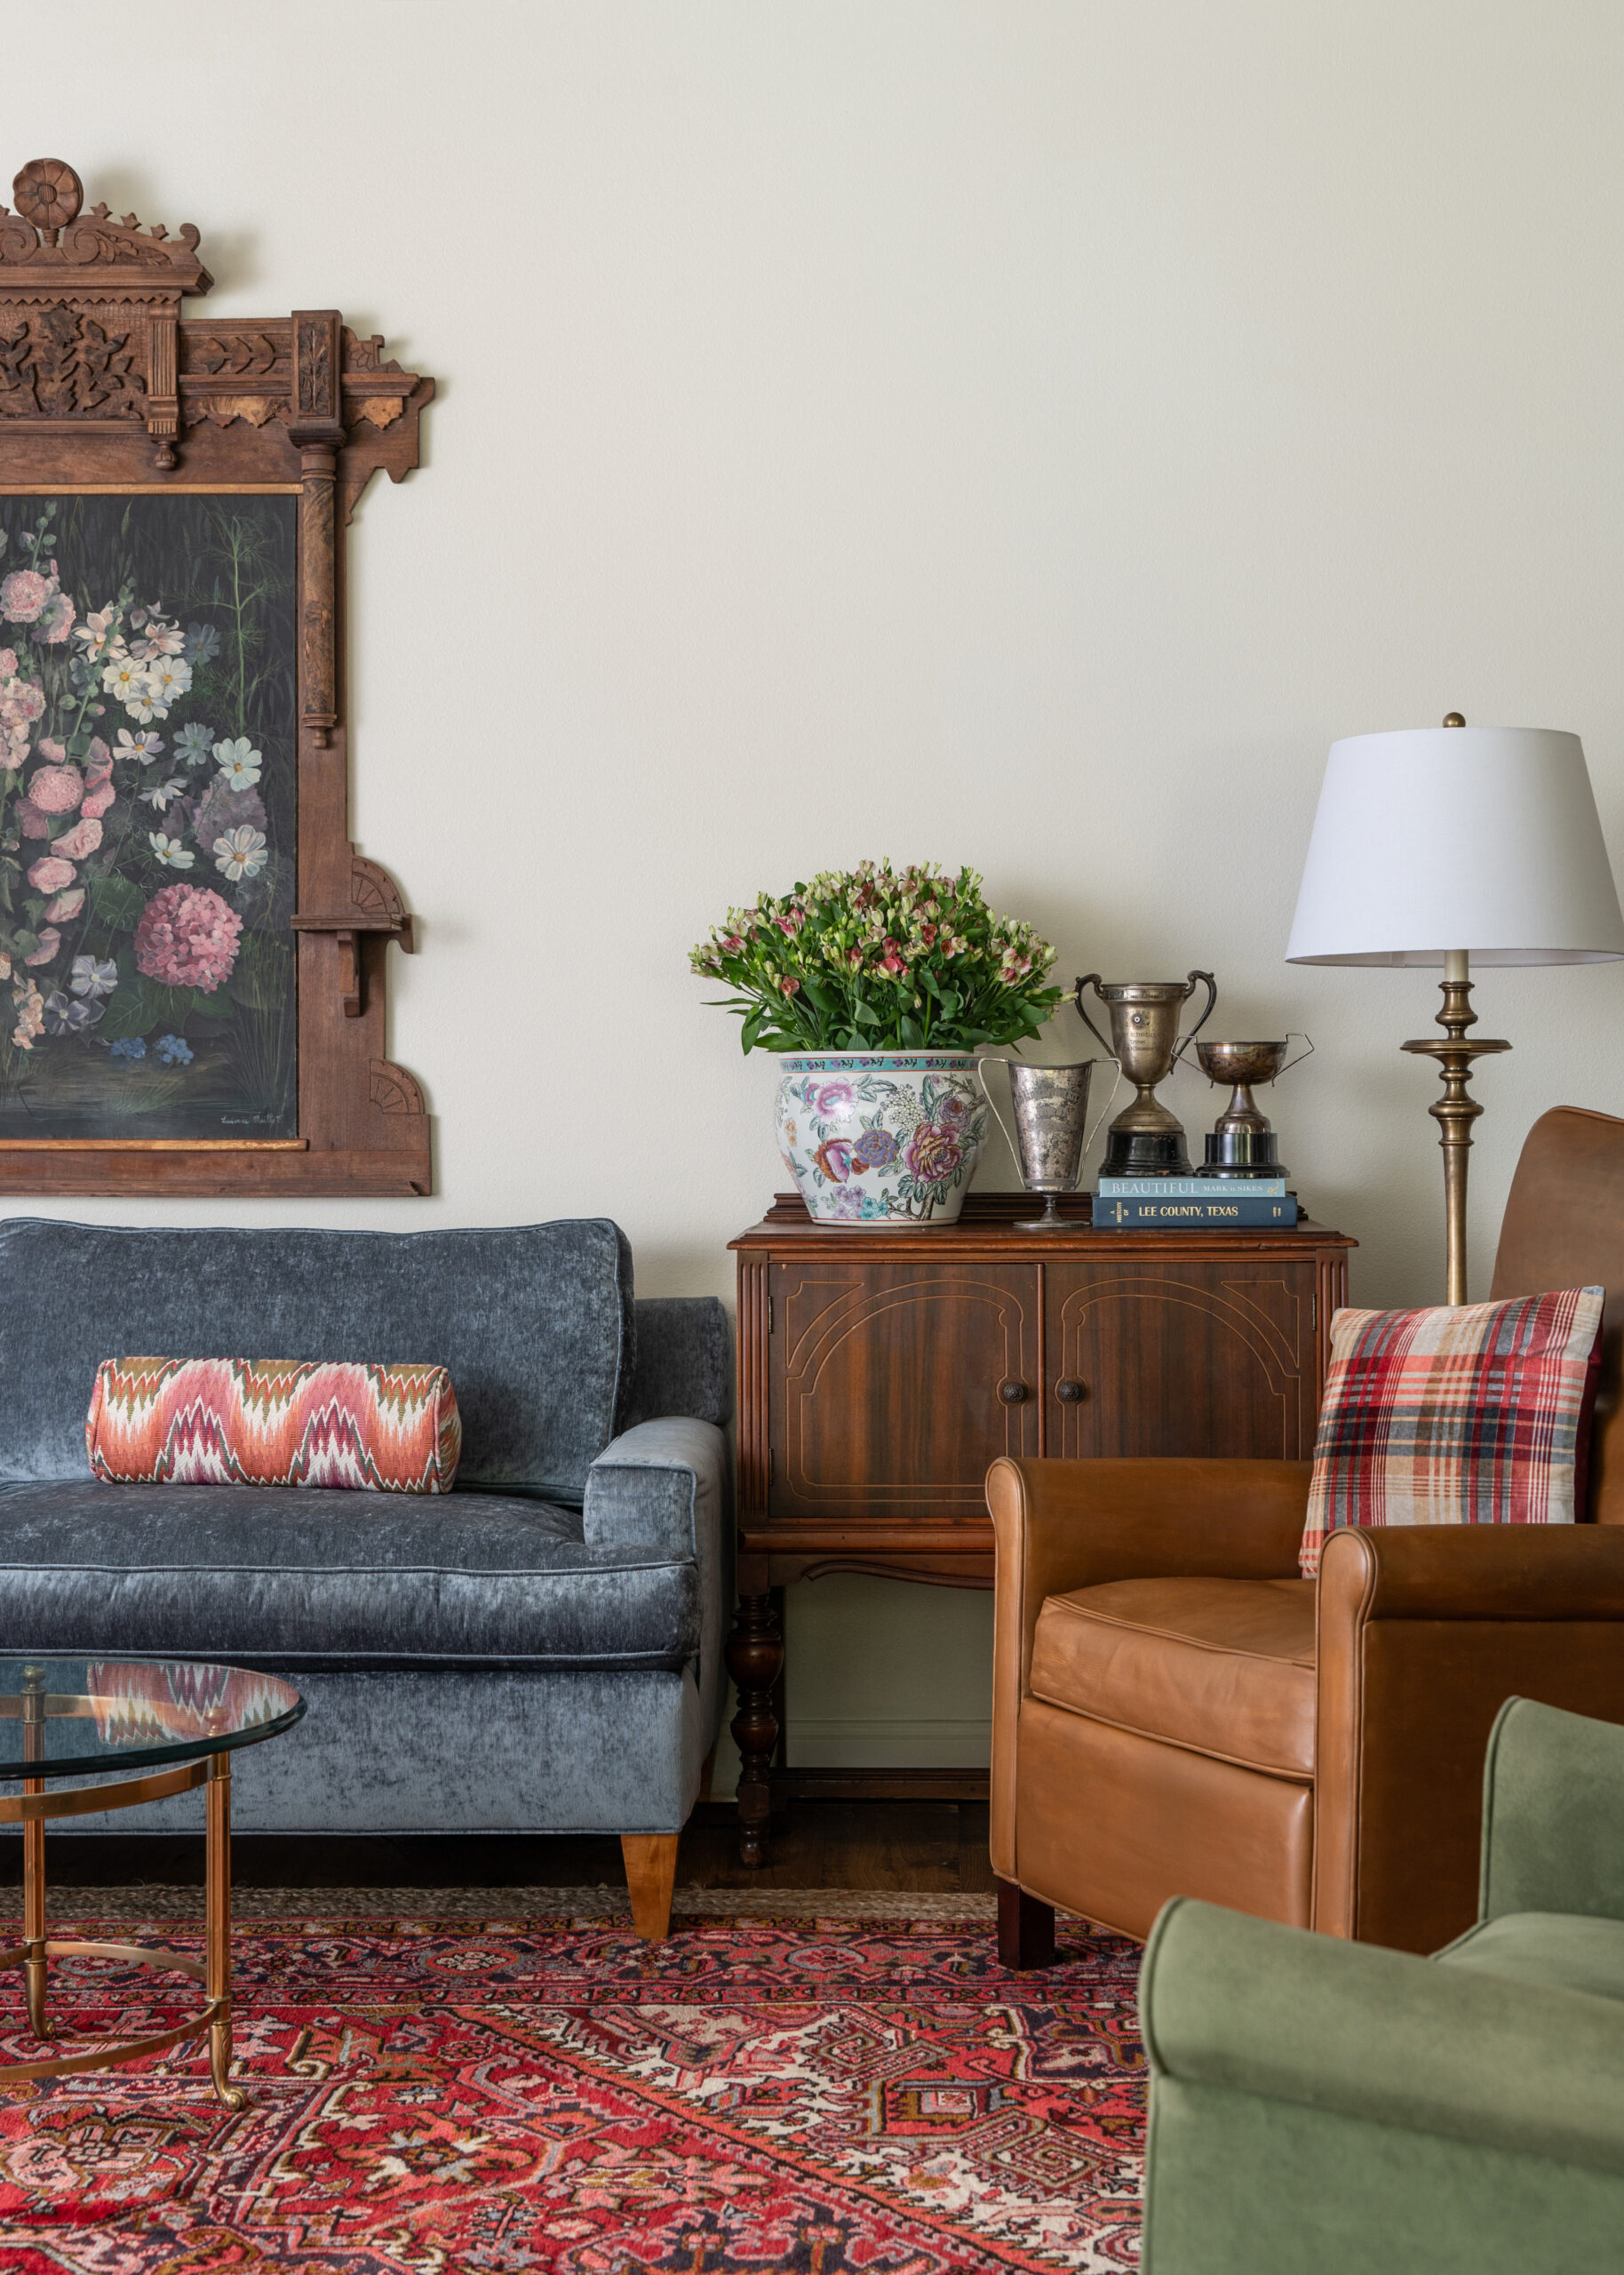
(1243, 1143)
(1051, 1112)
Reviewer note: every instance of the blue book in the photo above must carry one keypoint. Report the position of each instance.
(1189, 1188)
(1196, 1215)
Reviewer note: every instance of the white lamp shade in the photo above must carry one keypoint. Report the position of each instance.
(1439, 838)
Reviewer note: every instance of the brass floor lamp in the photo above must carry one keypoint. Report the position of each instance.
(1483, 840)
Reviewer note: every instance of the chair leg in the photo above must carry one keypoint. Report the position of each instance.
(1025, 1928)
(651, 1868)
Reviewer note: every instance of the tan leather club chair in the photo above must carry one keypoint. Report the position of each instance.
(1176, 1712)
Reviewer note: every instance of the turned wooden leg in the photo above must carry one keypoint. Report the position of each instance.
(756, 1658)
(651, 1868)
(1025, 1928)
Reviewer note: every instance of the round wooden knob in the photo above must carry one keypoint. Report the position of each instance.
(1070, 1391)
(1012, 1392)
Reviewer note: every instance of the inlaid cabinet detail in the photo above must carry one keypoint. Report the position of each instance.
(880, 1374)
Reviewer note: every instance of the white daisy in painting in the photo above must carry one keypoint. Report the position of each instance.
(239, 763)
(241, 852)
(159, 793)
(143, 748)
(143, 702)
(122, 677)
(169, 679)
(170, 850)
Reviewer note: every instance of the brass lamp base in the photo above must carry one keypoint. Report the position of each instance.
(1456, 1111)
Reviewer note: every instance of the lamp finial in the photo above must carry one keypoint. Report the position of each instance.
(1453, 719)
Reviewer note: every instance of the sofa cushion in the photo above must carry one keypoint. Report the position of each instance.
(1225, 1667)
(308, 1577)
(1559, 1949)
(533, 1323)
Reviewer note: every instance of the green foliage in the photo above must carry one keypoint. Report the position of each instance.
(880, 960)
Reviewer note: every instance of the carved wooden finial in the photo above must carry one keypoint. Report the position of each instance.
(49, 194)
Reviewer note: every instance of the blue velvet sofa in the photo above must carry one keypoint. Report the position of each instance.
(539, 1651)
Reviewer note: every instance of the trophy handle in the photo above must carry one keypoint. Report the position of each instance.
(1212, 997)
(1092, 979)
(1301, 1054)
(982, 1066)
(1089, 1136)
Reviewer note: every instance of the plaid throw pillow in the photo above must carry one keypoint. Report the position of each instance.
(1475, 1416)
(274, 1422)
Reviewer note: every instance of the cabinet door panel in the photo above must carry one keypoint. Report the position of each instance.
(887, 1384)
(1196, 1358)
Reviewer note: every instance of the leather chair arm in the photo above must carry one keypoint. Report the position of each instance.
(1424, 1632)
(1254, 2007)
(1472, 1572)
(1553, 1814)
(1059, 1525)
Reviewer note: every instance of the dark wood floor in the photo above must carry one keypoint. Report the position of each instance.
(923, 1846)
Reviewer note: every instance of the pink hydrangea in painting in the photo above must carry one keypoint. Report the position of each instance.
(56, 789)
(83, 838)
(187, 938)
(22, 596)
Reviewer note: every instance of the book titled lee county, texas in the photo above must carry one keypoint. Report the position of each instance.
(1198, 1215)
(1189, 1188)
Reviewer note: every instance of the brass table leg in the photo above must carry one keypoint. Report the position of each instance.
(34, 1855)
(34, 1913)
(217, 1983)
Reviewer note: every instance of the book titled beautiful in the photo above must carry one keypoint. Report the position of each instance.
(1190, 1188)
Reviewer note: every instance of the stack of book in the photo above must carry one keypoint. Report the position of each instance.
(1194, 1201)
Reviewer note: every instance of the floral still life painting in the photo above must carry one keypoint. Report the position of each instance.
(148, 755)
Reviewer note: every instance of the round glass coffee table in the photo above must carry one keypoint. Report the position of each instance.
(77, 1718)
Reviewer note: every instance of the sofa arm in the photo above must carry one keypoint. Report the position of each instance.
(662, 1485)
(1230, 2001)
(1553, 1814)
(666, 1484)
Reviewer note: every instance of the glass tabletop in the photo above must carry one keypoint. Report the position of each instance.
(63, 1718)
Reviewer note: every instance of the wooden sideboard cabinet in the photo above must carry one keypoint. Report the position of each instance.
(881, 1372)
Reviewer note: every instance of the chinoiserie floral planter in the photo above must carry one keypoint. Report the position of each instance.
(889, 1138)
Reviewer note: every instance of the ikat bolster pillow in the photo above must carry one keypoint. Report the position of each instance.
(1479, 1415)
(274, 1422)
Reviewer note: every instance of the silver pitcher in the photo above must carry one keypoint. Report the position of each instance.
(1146, 1139)
(1050, 1104)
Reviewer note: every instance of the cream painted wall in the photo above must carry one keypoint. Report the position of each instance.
(1018, 433)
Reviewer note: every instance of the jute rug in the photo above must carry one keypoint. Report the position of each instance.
(790, 2088)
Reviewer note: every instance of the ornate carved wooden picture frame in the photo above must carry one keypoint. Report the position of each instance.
(191, 953)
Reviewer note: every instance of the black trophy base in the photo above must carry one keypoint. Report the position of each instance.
(1145, 1153)
(1241, 1152)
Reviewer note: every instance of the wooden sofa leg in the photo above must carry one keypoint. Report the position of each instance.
(1025, 1928)
(651, 1868)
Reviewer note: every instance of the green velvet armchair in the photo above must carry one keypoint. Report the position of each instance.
(1333, 2106)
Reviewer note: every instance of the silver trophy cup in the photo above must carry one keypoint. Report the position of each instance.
(1051, 1112)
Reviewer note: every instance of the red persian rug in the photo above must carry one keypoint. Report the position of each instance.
(752, 2097)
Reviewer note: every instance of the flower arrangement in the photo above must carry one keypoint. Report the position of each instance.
(138, 877)
(875, 959)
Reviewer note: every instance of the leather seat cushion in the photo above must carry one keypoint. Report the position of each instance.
(1562, 1949)
(303, 1576)
(1225, 1667)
